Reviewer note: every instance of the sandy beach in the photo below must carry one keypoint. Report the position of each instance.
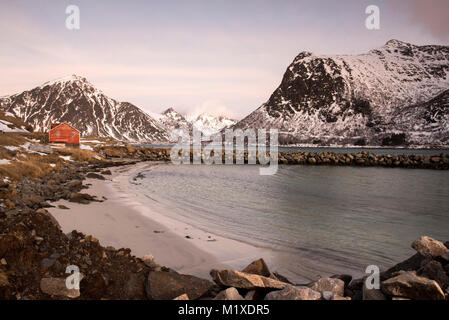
(123, 220)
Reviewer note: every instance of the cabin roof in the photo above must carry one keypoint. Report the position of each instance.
(66, 124)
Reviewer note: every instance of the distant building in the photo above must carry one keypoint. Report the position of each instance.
(64, 133)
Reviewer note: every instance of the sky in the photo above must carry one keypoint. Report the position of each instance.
(219, 57)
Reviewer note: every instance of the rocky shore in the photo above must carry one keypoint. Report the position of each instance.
(362, 159)
(34, 252)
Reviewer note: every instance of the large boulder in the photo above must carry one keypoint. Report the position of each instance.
(258, 267)
(372, 294)
(277, 276)
(333, 285)
(135, 286)
(229, 294)
(74, 185)
(429, 247)
(411, 264)
(241, 280)
(83, 198)
(435, 271)
(93, 175)
(169, 285)
(410, 285)
(56, 287)
(294, 293)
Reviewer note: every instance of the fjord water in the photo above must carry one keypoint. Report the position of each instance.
(320, 220)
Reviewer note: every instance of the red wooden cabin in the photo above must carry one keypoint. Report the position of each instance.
(64, 133)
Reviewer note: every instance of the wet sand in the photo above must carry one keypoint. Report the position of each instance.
(124, 220)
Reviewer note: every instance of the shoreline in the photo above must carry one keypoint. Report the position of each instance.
(36, 248)
(124, 221)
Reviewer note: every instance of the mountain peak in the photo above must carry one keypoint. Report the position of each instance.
(169, 110)
(396, 43)
(67, 79)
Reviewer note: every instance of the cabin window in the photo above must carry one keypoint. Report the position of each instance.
(58, 133)
(73, 133)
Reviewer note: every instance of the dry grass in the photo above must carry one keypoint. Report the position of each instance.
(17, 170)
(6, 154)
(12, 139)
(78, 154)
(42, 137)
(30, 166)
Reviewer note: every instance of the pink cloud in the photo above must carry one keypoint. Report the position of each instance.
(431, 15)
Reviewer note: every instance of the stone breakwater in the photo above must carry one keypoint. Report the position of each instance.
(361, 159)
(366, 159)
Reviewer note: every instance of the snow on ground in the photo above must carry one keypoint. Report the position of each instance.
(66, 158)
(11, 148)
(4, 127)
(92, 141)
(4, 161)
(86, 147)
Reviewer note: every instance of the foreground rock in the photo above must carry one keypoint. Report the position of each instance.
(294, 293)
(82, 198)
(429, 247)
(37, 253)
(241, 280)
(57, 287)
(93, 175)
(434, 270)
(332, 285)
(229, 294)
(169, 285)
(258, 267)
(409, 285)
(372, 294)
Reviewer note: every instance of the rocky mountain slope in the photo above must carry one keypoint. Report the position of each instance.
(368, 99)
(171, 120)
(78, 102)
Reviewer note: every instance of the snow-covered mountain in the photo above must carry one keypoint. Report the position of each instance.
(76, 101)
(170, 119)
(370, 98)
(210, 125)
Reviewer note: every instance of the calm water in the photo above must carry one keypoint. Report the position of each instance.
(321, 220)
